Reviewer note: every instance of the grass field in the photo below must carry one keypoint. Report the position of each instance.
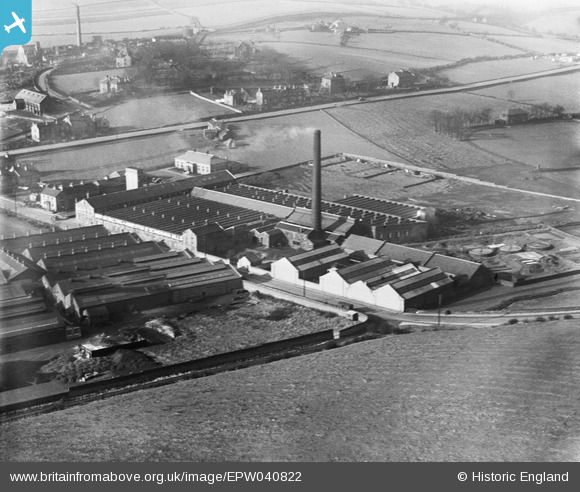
(155, 111)
(566, 22)
(474, 72)
(499, 394)
(85, 82)
(378, 54)
(553, 146)
(403, 128)
(553, 90)
(541, 45)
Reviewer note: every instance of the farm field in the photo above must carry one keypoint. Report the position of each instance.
(479, 28)
(87, 82)
(499, 394)
(562, 89)
(377, 54)
(558, 22)
(54, 24)
(541, 45)
(262, 144)
(553, 146)
(486, 70)
(403, 128)
(156, 111)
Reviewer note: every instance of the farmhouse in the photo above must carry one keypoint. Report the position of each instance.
(280, 94)
(513, 116)
(111, 84)
(35, 102)
(334, 83)
(236, 97)
(48, 131)
(401, 78)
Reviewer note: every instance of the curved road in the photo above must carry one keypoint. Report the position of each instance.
(274, 114)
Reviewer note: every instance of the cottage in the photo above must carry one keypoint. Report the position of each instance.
(236, 98)
(401, 78)
(514, 116)
(333, 83)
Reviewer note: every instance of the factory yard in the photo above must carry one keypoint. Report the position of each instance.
(200, 334)
(499, 394)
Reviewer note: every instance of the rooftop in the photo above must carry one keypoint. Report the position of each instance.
(20, 243)
(150, 193)
(31, 96)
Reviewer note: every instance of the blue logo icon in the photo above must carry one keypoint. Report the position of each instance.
(16, 22)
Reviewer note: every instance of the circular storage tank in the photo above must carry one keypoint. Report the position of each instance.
(510, 248)
(539, 245)
(478, 252)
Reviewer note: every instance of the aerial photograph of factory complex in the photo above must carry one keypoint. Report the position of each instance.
(291, 231)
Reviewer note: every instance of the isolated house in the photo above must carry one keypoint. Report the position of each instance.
(333, 83)
(513, 116)
(401, 78)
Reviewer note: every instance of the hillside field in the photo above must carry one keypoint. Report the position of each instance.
(498, 394)
(552, 90)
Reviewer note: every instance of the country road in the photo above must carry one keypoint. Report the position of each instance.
(285, 112)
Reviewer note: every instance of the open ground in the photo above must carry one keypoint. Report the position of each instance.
(499, 394)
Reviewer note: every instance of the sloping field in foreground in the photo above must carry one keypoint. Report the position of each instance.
(504, 394)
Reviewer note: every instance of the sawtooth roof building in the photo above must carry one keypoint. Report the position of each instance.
(376, 281)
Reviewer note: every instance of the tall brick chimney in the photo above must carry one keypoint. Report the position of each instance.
(317, 185)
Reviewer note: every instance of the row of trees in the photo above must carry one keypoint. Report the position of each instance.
(453, 123)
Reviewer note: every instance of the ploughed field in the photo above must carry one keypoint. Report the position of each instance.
(498, 394)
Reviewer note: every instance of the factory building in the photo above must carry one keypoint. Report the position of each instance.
(138, 283)
(465, 274)
(21, 243)
(26, 321)
(382, 283)
(378, 281)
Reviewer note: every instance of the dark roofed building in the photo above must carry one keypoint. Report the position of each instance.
(21, 243)
(513, 116)
(86, 210)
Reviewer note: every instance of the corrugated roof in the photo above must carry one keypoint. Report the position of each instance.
(20, 243)
(360, 243)
(150, 193)
(365, 270)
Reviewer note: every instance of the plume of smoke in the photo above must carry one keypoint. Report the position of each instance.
(262, 138)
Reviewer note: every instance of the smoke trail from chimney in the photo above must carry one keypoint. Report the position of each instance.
(317, 184)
